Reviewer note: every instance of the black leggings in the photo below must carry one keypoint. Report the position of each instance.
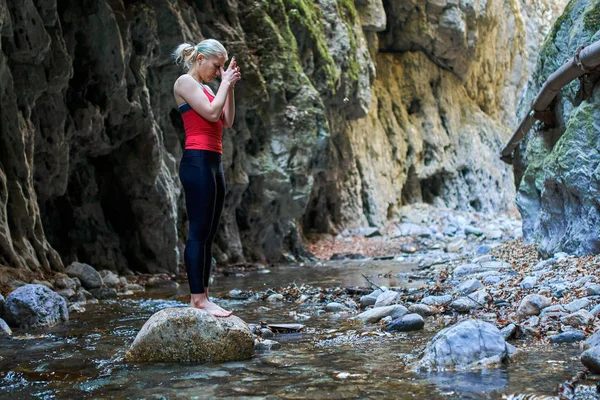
(201, 173)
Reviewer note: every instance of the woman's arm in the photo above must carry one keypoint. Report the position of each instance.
(193, 93)
(229, 114)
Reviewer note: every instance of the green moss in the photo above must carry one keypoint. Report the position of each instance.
(591, 18)
(348, 14)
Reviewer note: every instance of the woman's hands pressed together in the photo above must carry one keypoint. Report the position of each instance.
(232, 74)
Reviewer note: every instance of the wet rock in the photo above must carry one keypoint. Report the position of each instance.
(528, 282)
(592, 341)
(76, 308)
(469, 286)
(275, 297)
(370, 299)
(591, 359)
(532, 305)
(454, 347)
(207, 338)
(110, 279)
(577, 305)
(62, 281)
(89, 277)
(66, 293)
(157, 282)
(4, 329)
(375, 314)
(45, 283)
(335, 307)
(265, 333)
(104, 293)
(436, 300)
(134, 287)
(567, 337)
(387, 298)
(406, 323)
(265, 344)
(473, 301)
(33, 306)
(423, 310)
(592, 290)
(579, 318)
(509, 331)
(348, 256)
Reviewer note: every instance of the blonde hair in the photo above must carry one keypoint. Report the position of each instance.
(185, 54)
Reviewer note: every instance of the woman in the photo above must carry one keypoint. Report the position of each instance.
(201, 170)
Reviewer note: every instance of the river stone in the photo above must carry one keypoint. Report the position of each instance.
(577, 305)
(592, 289)
(375, 314)
(591, 359)
(423, 310)
(265, 344)
(436, 300)
(4, 329)
(134, 287)
(469, 286)
(45, 283)
(66, 293)
(579, 318)
(89, 277)
(335, 307)
(466, 345)
(1, 305)
(160, 283)
(275, 297)
(406, 323)
(387, 298)
(532, 304)
(592, 341)
(596, 310)
(528, 282)
(104, 293)
(110, 279)
(62, 281)
(567, 337)
(191, 334)
(473, 301)
(508, 331)
(33, 306)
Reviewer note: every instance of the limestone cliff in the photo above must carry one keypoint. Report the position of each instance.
(556, 168)
(347, 110)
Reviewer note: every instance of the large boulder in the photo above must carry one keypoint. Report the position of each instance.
(33, 306)
(89, 277)
(468, 344)
(4, 329)
(190, 334)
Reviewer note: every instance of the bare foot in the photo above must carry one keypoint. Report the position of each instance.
(201, 301)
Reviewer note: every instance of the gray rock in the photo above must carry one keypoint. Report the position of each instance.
(410, 229)
(160, 283)
(104, 293)
(579, 318)
(76, 308)
(33, 306)
(62, 281)
(335, 307)
(207, 338)
(470, 269)
(375, 314)
(592, 289)
(387, 298)
(110, 279)
(469, 286)
(555, 308)
(89, 277)
(423, 310)
(455, 347)
(528, 282)
(577, 305)
(567, 337)
(367, 300)
(596, 310)
(45, 283)
(134, 287)
(406, 323)
(436, 300)
(532, 305)
(591, 359)
(471, 230)
(473, 301)
(509, 331)
(275, 297)
(16, 284)
(1, 305)
(592, 341)
(265, 344)
(66, 293)
(4, 329)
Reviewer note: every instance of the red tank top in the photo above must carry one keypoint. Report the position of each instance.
(201, 134)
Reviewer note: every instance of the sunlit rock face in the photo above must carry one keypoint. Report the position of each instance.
(345, 112)
(556, 168)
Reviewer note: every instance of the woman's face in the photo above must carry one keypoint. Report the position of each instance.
(210, 67)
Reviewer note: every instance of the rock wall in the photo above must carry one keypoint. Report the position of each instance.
(556, 168)
(338, 122)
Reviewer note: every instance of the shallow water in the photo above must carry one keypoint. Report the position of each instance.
(83, 358)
